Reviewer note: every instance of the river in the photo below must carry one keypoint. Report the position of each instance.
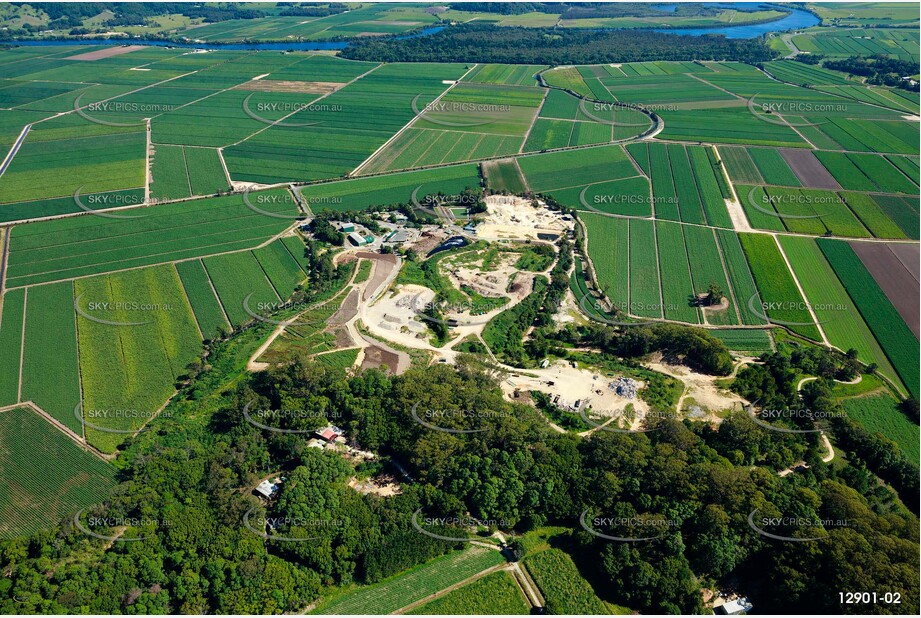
(795, 20)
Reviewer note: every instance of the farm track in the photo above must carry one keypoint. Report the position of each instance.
(357, 171)
(286, 116)
(4, 257)
(14, 149)
(451, 588)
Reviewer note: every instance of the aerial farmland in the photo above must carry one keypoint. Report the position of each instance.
(405, 308)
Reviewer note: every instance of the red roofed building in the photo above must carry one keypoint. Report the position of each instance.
(330, 433)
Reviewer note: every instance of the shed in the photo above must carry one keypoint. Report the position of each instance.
(266, 488)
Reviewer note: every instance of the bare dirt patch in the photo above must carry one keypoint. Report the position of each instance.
(384, 265)
(343, 338)
(347, 310)
(376, 357)
(700, 387)
(512, 217)
(383, 485)
(808, 169)
(899, 284)
(571, 385)
(273, 85)
(107, 52)
(909, 256)
(428, 241)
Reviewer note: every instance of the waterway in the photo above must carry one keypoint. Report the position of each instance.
(797, 19)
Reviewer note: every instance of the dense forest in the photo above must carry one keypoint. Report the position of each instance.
(64, 15)
(878, 69)
(486, 43)
(189, 482)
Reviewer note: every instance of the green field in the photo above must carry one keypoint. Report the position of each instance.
(747, 341)
(11, 346)
(880, 414)
(780, 298)
(80, 246)
(169, 179)
(740, 276)
(52, 381)
(707, 268)
(280, 267)
(674, 269)
(179, 172)
(339, 359)
(59, 168)
(44, 476)
(360, 193)
(685, 183)
(240, 282)
(414, 585)
(519, 75)
(645, 293)
(494, 594)
(337, 135)
(608, 248)
(835, 42)
(207, 308)
(839, 318)
(563, 587)
(504, 176)
(893, 335)
(133, 349)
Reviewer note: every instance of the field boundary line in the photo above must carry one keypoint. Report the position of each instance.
(81, 442)
(22, 341)
(188, 174)
(220, 302)
(185, 293)
(451, 588)
(357, 170)
(14, 149)
(834, 94)
(532, 591)
(697, 142)
(119, 270)
(124, 94)
(524, 179)
(732, 292)
(73, 291)
(4, 258)
(220, 156)
(591, 184)
(267, 278)
(147, 163)
(802, 292)
(734, 207)
(798, 132)
(319, 98)
(636, 166)
(534, 120)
